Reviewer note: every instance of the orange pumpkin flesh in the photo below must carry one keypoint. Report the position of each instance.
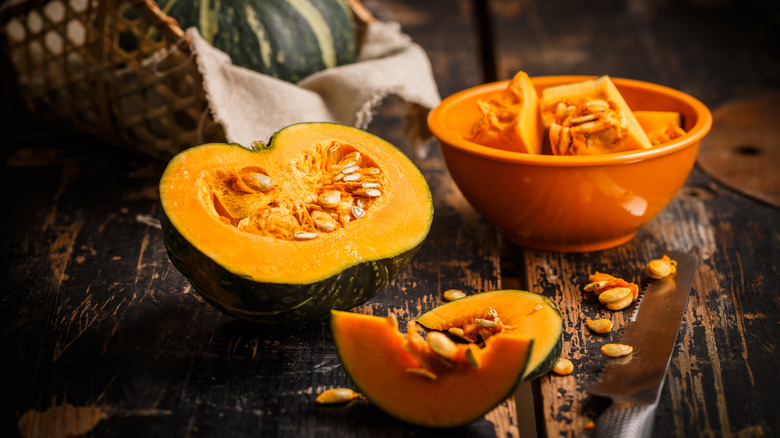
(380, 362)
(590, 118)
(510, 119)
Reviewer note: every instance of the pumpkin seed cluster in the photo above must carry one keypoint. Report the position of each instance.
(582, 129)
(322, 191)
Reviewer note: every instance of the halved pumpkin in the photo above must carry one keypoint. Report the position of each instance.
(321, 217)
(521, 313)
(590, 117)
(510, 119)
(403, 377)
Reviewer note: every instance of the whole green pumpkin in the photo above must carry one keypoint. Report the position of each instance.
(287, 39)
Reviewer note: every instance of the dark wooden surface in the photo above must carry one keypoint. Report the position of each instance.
(102, 336)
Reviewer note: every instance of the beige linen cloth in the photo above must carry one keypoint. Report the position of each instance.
(252, 106)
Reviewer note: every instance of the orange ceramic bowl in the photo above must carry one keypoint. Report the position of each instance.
(569, 203)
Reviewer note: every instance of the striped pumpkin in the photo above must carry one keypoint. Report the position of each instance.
(287, 39)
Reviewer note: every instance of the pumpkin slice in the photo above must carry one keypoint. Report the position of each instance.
(660, 126)
(510, 119)
(590, 118)
(322, 217)
(404, 377)
(520, 313)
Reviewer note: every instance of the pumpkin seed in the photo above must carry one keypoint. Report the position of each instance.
(305, 235)
(442, 345)
(350, 169)
(336, 395)
(370, 185)
(661, 268)
(599, 326)
(337, 177)
(621, 304)
(616, 350)
(563, 367)
(614, 294)
(352, 177)
(422, 372)
(582, 119)
(323, 221)
(350, 160)
(368, 193)
(329, 199)
(453, 294)
(485, 322)
(358, 212)
(258, 181)
(594, 286)
(372, 171)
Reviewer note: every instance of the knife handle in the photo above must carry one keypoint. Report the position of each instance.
(626, 420)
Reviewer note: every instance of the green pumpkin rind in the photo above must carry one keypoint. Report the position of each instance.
(301, 303)
(287, 39)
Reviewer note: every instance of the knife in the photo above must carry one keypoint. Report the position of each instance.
(634, 382)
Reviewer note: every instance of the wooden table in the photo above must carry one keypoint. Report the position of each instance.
(102, 336)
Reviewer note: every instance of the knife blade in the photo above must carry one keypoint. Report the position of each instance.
(634, 382)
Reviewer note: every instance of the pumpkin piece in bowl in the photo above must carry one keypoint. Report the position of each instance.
(590, 118)
(510, 119)
(660, 126)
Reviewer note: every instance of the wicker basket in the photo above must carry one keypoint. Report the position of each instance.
(118, 69)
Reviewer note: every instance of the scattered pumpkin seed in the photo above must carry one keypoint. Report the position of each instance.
(600, 326)
(614, 294)
(661, 268)
(336, 395)
(591, 287)
(616, 350)
(453, 294)
(622, 303)
(563, 367)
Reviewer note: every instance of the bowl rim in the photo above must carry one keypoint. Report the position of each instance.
(452, 139)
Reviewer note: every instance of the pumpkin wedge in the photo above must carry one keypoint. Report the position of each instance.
(590, 118)
(414, 380)
(520, 313)
(320, 218)
(510, 119)
(660, 126)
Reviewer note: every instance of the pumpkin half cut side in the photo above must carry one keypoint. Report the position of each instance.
(321, 217)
